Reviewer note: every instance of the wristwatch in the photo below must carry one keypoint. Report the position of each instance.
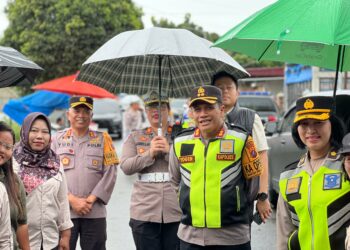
(262, 196)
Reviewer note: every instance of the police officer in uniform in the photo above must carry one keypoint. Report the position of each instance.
(154, 209)
(312, 210)
(212, 166)
(89, 161)
(252, 123)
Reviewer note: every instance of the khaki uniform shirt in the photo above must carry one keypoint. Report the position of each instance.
(83, 161)
(153, 202)
(5, 223)
(48, 212)
(284, 223)
(236, 234)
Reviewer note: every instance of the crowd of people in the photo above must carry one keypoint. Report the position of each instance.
(195, 189)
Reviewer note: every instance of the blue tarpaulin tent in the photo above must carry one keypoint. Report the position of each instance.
(40, 101)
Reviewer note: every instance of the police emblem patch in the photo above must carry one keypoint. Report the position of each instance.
(332, 181)
(65, 161)
(293, 185)
(94, 163)
(227, 146)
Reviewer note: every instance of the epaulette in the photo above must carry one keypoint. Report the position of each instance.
(292, 165)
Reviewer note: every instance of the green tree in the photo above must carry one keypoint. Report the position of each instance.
(242, 59)
(61, 35)
(186, 24)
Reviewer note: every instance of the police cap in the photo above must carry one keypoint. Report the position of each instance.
(153, 96)
(81, 100)
(313, 107)
(206, 93)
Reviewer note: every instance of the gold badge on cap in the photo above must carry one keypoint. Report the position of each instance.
(82, 99)
(201, 92)
(308, 104)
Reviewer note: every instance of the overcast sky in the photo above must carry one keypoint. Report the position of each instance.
(213, 15)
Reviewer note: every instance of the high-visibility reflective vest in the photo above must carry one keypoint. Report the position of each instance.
(319, 205)
(213, 190)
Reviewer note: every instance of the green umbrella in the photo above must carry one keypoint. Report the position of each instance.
(310, 32)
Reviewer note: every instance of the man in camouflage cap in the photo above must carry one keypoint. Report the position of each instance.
(89, 161)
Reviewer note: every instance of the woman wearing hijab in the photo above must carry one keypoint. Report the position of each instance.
(15, 189)
(312, 209)
(45, 185)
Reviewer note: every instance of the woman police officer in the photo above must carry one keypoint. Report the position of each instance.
(312, 208)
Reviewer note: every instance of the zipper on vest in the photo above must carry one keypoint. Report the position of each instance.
(310, 213)
(238, 199)
(205, 184)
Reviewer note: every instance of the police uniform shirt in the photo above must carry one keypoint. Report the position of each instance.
(83, 161)
(236, 234)
(150, 201)
(284, 225)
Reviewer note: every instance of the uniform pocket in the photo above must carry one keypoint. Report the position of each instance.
(66, 158)
(94, 159)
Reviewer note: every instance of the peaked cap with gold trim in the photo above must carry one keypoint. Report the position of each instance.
(81, 100)
(313, 107)
(206, 93)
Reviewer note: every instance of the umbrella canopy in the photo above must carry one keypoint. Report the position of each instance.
(40, 101)
(15, 68)
(172, 61)
(311, 32)
(69, 86)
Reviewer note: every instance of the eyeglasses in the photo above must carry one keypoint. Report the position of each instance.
(6, 146)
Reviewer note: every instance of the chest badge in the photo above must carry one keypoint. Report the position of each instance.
(293, 185)
(65, 161)
(332, 181)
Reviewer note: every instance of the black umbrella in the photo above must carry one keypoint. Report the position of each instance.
(16, 69)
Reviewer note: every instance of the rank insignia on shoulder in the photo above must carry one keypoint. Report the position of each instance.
(332, 155)
(332, 181)
(293, 185)
(187, 159)
(65, 161)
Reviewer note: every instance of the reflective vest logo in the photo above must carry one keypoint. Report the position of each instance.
(293, 185)
(332, 181)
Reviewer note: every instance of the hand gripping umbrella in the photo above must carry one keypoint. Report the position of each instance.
(170, 61)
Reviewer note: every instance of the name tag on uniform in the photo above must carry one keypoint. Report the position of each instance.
(332, 181)
(225, 157)
(293, 185)
(187, 159)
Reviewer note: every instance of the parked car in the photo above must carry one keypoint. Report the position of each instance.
(108, 116)
(264, 105)
(283, 150)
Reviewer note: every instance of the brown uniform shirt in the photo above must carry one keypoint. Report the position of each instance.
(83, 160)
(153, 202)
(284, 223)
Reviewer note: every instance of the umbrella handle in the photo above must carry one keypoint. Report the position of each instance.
(159, 131)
